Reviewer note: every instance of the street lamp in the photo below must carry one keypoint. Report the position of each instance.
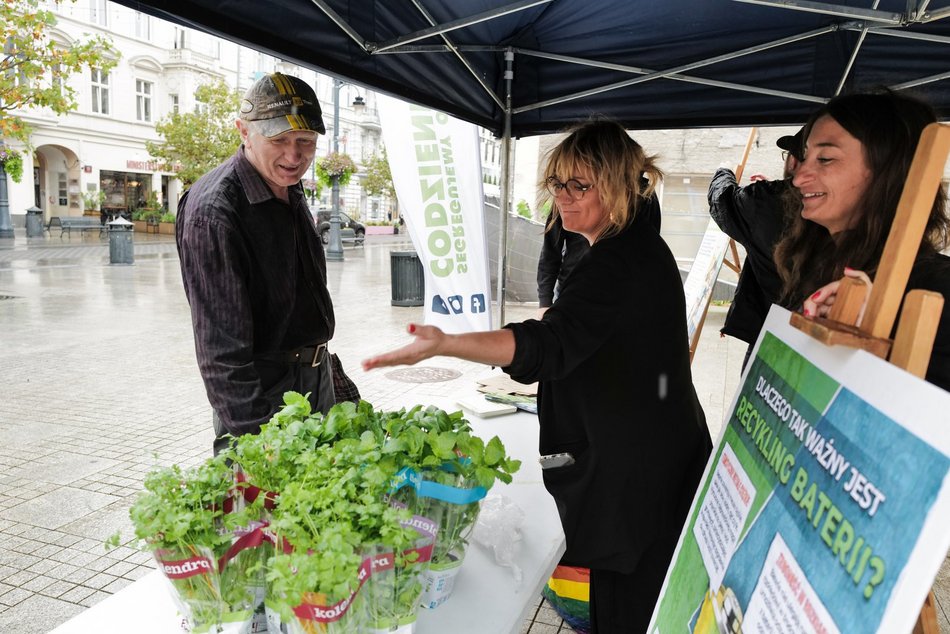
(6, 227)
(335, 246)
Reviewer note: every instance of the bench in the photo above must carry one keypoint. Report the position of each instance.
(54, 221)
(80, 223)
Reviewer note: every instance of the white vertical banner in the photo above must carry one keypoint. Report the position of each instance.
(436, 168)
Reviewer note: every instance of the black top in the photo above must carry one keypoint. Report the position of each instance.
(753, 216)
(932, 273)
(615, 390)
(561, 251)
(254, 274)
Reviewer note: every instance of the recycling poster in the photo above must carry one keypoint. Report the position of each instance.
(825, 504)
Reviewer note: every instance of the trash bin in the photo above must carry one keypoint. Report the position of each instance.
(34, 222)
(120, 241)
(408, 280)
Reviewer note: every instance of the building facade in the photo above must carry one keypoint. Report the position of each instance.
(98, 151)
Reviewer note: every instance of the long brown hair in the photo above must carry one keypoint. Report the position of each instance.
(617, 165)
(888, 125)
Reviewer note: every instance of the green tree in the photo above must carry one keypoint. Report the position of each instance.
(378, 179)
(195, 142)
(34, 69)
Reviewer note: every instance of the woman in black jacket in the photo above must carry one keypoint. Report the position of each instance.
(616, 394)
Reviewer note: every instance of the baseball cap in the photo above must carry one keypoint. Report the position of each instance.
(280, 103)
(793, 143)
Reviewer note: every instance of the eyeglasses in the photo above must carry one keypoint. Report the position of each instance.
(574, 187)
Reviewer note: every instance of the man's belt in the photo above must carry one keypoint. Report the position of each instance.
(312, 355)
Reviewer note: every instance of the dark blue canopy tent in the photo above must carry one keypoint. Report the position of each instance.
(535, 66)
(648, 64)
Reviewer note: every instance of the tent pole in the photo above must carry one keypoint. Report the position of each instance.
(505, 190)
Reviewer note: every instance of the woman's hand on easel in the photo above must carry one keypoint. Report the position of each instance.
(820, 302)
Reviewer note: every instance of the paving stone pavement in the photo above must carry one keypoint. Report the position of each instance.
(98, 384)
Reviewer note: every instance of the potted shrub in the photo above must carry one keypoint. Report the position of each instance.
(92, 200)
(166, 224)
(139, 220)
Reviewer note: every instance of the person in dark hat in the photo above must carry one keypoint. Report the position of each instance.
(253, 266)
(753, 216)
(794, 147)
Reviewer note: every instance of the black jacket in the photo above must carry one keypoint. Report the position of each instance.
(753, 216)
(615, 391)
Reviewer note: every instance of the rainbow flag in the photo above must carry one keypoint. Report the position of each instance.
(568, 592)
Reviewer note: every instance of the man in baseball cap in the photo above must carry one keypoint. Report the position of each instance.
(253, 265)
(281, 103)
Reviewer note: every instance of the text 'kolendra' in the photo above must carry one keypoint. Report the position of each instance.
(445, 233)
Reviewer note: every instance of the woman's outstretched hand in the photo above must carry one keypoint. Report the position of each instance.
(819, 304)
(426, 344)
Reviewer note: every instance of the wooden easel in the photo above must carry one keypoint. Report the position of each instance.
(913, 341)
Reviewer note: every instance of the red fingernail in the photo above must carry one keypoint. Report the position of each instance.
(815, 296)
(412, 328)
(807, 313)
(848, 268)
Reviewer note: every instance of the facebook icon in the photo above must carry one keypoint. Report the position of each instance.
(478, 303)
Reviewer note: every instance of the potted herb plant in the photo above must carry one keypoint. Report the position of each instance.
(183, 519)
(449, 471)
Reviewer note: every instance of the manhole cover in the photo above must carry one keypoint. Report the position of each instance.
(423, 375)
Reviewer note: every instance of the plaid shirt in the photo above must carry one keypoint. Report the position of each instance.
(254, 274)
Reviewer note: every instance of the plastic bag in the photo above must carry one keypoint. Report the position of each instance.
(499, 530)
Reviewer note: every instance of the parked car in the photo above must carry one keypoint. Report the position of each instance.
(350, 230)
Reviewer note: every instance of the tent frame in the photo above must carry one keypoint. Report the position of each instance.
(864, 21)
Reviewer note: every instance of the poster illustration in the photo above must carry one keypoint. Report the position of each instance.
(824, 505)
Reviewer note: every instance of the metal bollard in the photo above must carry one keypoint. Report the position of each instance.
(34, 222)
(120, 241)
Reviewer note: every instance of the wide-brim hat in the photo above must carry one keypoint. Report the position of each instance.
(794, 144)
(280, 103)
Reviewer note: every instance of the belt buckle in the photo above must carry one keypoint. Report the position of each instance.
(316, 354)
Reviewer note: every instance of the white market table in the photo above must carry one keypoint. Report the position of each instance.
(486, 597)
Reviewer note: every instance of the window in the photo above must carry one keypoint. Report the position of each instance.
(143, 100)
(62, 188)
(100, 91)
(98, 13)
(174, 103)
(142, 26)
(15, 77)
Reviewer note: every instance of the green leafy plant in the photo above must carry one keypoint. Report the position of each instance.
(523, 209)
(12, 163)
(181, 518)
(93, 199)
(192, 143)
(336, 512)
(335, 164)
(167, 217)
